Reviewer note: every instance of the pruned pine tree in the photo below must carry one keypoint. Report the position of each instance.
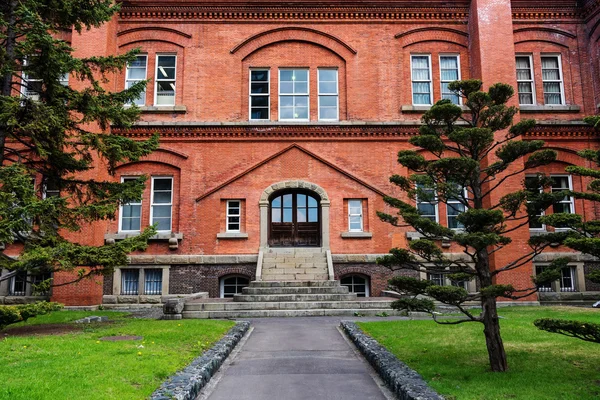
(53, 136)
(470, 157)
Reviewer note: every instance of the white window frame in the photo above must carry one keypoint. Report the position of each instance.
(560, 72)
(121, 209)
(161, 204)
(250, 94)
(412, 80)
(146, 281)
(361, 215)
(449, 206)
(307, 94)
(459, 74)
(571, 200)
(24, 82)
(222, 284)
(531, 81)
(436, 281)
(156, 80)
(336, 95)
(542, 213)
(228, 215)
(573, 275)
(353, 284)
(128, 79)
(435, 202)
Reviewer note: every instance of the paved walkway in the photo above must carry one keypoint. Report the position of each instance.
(296, 359)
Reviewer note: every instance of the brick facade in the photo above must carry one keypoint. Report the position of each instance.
(214, 153)
(378, 276)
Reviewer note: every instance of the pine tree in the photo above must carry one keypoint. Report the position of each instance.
(53, 137)
(472, 155)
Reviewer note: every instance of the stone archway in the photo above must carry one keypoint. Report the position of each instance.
(293, 184)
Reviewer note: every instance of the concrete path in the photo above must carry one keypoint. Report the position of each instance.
(296, 359)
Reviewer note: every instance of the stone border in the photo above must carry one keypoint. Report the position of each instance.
(406, 383)
(187, 383)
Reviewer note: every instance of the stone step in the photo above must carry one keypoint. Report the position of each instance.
(293, 297)
(296, 290)
(293, 283)
(290, 313)
(294, 276)
(305, 305)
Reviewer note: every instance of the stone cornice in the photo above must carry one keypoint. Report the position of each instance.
(342, 131)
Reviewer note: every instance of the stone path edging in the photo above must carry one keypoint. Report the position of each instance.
(406, 383)
(186, 384)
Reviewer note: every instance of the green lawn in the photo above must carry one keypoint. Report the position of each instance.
(453, 359)
(78, 366)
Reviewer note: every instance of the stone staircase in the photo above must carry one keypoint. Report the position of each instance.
(290, 299)
(295, 264)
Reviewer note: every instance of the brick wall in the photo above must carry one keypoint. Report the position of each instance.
(202, 278)
(378, 275)
(589, 285)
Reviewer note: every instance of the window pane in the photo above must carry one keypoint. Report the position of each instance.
(327, 87)
(162, 184)
(287, 215)
(300, 88)
(233, 204)
(287, 200)
(328, 113)
(328, 75)
(285, 75)
(276, 215)
(312, 202)
(260, 113)
(300, 101)
(286, 87)
(301, 215)
(276, 202)
(258, 88)
(162, 197)
(166, 61)
(259, 76)
(300, 75)
(313, 215)
(301, 113)
(328, 101)
(161, 211)
(301, 200)
(164, 224)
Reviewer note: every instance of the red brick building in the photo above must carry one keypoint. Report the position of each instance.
(280, 123)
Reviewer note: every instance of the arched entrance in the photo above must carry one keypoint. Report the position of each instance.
(298, 206)
(294, 218)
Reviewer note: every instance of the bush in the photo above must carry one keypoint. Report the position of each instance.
(577, 329)
(13, 314)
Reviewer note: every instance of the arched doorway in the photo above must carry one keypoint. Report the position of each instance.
(294, 218)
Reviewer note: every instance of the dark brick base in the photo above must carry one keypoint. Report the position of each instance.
(377, 274)
(187, 279)
(107, 285)
(589, 285)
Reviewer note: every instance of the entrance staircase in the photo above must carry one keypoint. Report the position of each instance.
(295, 283)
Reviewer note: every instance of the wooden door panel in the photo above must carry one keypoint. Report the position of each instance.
(294, 220)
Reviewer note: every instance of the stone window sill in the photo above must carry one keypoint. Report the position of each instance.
(550, 109)
(232, 235)
(172, 238)
(357, 235)
(163, 109)
(422, 109)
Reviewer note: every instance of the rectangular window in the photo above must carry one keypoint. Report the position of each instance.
(31, 85)
(37, 280)
(234, 215)
(427, 202)
(543, 287)
(136, 72)
(260, 95)
(449, 72)
(49, 189)
(552, 80)
(129, 281)
(355, 216)
(531, 183)
(165, 80)
(293, 94)
(18, 284)
(421, 79)
(131, 213)
(455, 207)
(567, 279)
(328, 95)
(437, 279)
(153, 281)
(525, 80)
(560, 184)
(162, 203)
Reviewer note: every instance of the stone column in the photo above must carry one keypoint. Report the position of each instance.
(4, 284)
(116, 289)
(264, 224)
(325, 224)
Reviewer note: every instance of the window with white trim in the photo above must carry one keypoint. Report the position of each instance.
(31, 86)
(437, 279)
(358, 284)
(293, 95)
(232, 285)
(567, 279)
(164, 92)
(552, 80)
(355, 215)
(49, 189)
(130, 278)
(543, 287)
(234, 215)
(130, 216)
(449, 72)
(38, 279)
(525, 84)
(328, 94)
(421, 79)
(562, 183)
(260, 99)
(531, 183)
(153, 281)
(136, 72)
(162, 203)
(455, 207)
(18, 284)
(427, 202)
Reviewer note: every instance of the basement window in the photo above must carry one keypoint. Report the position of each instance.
(231, 285)
(358, 284)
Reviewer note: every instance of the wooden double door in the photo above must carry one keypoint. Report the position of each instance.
(294, 219)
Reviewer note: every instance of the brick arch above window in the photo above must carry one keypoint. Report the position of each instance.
(421, 35)
(153, 34)
(165, 156)
(288, 34)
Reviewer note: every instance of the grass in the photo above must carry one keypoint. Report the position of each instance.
(453, 359)
(78, 365)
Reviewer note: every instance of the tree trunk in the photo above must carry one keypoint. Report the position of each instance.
(493, 341)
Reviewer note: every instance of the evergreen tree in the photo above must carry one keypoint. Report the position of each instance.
(472, 155)
(53, 137)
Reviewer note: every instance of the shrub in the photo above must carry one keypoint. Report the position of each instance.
(13, 314)
(577, 329)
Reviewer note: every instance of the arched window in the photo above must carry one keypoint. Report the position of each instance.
(358, 284)
(231, 285)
